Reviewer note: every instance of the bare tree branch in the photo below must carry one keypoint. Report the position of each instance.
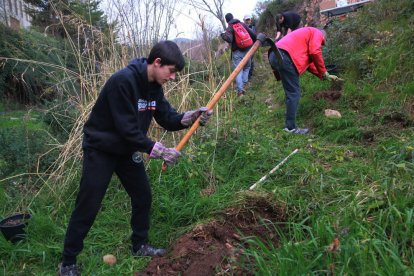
(214, 7)
(144, 22)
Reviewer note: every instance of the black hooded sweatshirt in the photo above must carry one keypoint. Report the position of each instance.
(121, 116)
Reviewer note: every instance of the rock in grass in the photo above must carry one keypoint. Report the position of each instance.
(330, 113)
(109, 259)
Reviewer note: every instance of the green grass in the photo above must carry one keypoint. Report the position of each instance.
(30, 120)
(341, 185)
(24, 137)
(338, 185)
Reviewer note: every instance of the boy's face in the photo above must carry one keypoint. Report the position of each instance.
(163, 73)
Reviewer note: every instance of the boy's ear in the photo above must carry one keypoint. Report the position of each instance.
(157, 61)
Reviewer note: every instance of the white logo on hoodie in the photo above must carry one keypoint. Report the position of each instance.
(144, 105)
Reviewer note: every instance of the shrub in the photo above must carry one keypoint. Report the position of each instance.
(20, 149)
(375, 52)
(61, 117)
(30, 65)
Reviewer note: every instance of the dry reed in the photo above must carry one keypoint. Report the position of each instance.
(97, 59)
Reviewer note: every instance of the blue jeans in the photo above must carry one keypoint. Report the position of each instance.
(243, 77)
(290, 81)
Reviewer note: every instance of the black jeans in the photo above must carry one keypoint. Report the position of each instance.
(97, 171)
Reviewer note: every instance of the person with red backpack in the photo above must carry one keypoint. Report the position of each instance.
(241, 39)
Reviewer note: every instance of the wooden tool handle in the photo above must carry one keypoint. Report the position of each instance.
(216, 97)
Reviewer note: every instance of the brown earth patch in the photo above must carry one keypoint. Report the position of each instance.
(397, 119)
(330, 95)
(214, 248)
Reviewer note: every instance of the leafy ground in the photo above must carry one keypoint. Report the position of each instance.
(342, 205)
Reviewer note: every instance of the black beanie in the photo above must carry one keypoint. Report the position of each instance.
(228, 17)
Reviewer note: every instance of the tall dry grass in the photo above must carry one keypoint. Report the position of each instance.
(98, 59)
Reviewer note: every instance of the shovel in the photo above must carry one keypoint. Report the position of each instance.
(261, 39)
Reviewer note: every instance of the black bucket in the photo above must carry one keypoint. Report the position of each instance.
(13, 227)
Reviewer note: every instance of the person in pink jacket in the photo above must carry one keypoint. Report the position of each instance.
(301, 51)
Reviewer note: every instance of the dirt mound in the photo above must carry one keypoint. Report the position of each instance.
(397, 119)
(215, 247)
(330, 95)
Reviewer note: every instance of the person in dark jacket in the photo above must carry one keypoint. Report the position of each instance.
(286, 22)
(114, 136)
(238, 53)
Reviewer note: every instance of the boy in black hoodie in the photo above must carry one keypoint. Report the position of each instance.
(114, 134)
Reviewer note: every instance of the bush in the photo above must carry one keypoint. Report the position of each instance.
(375, 52)
(61, 117)
(20, 149)
(30, 65)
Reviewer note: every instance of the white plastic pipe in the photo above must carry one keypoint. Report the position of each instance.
(273, 170)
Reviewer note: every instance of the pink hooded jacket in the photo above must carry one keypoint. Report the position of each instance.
(304, 46)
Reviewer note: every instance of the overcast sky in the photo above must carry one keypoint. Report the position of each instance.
(187, 22)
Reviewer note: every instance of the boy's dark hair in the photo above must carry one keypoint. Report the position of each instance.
(169, 53)
(278, 16)
(228, 17)
(278, 25)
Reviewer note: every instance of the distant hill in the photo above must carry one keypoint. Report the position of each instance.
(192, 49)
(182, 40)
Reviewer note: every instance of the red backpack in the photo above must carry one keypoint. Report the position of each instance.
(242, 36)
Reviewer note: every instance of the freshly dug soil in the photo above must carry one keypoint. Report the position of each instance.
(215, 248)
(330, 95)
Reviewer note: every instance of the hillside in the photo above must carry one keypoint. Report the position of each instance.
(342, 205)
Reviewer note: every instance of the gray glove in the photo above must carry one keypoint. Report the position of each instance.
(191, 116)
(330, 77)
(169, 155)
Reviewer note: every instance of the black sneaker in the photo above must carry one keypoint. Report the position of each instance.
(70, 270)
(149, 251)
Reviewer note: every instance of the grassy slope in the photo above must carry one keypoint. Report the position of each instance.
(341, 185)
(335, 186)
(352, 179)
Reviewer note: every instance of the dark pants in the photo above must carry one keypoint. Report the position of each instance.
(290, 82)
(251, 69)
(97, 171)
